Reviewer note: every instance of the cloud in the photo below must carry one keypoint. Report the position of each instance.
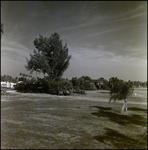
(41, 13)
(108, 30)
(129, 17)
(101, 63)
(14, 51)
(13, 57)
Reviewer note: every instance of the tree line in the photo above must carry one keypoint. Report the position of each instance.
(77, 84)
(50, 57)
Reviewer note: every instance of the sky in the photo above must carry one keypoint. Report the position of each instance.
(106, 39)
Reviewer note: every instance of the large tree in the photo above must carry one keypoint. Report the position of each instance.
(120, 90)
(51, 56)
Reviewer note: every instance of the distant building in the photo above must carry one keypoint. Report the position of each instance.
(3, 84)
(12, 85)
(8, 84)
(19, 81)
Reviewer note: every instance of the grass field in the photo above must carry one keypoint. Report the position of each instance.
(40, 121)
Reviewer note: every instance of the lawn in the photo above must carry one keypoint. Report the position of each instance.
(35, 121)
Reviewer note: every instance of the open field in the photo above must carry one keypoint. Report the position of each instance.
(40, 121)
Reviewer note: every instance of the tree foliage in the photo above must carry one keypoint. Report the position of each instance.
(51, 56)
(83, 83)
(60, 87)
(120, 89)
(8, 78)
(33, 85)
(102, 84)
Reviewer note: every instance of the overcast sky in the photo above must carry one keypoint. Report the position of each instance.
(105, 39)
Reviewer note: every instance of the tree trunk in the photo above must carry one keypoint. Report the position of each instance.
(122, 109)
(125, 104)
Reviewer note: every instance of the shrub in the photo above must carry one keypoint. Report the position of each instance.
(32, 86)
(85, 83)
(53, 87)
(45, 85)
(90, 86)
(20, 87)
(60, 87)
(77, 90)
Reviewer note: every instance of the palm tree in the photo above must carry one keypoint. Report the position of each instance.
(120, 90)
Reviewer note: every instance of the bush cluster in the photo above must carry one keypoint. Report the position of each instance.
(40, 86)
(77, 90)
(60, 87)
(45, 85)
(83, 83)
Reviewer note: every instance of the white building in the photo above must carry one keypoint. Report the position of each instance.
(12, 85)
(8, 84)
(3, 84)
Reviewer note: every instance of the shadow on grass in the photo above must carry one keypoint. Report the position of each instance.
(136, 109)
(119, 140)
(104, 92)
(119, 118)
(102, 108)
